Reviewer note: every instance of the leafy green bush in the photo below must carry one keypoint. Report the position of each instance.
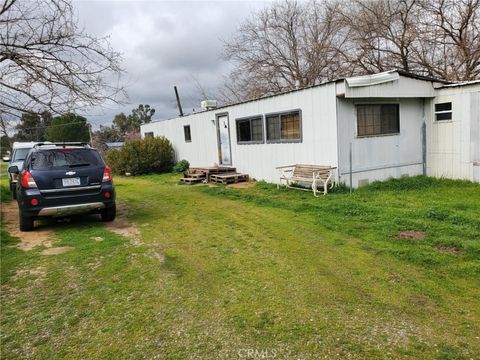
(181, 166)
(113, 158)
(142, 156)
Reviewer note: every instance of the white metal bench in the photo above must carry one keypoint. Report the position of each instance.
(316, 175)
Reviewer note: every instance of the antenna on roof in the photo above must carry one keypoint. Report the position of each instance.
(178, 101)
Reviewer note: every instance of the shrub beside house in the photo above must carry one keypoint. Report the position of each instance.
(142, 156)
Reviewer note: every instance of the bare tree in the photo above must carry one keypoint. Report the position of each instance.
(294, 44)
(451, 41)
(439, 38)
(202, 92)
(48, 63)
(287, 45)
(383, 34)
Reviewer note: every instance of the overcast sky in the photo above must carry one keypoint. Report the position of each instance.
(165, 43)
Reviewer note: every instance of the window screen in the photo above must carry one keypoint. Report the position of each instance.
(284, 127)
(273, 127)
(443, 111)
(250, 130)
(378, 119)
(187, 133)
(149, 134)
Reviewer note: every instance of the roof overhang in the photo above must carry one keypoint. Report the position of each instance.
(388, 85)
(374, 79)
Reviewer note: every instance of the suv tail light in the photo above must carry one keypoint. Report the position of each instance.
(27, 181)
(107, 174)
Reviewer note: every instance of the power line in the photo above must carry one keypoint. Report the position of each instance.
(48, 126)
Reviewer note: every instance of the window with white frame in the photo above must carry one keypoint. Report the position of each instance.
(149, 134)
(443, 111)
(250, 130)
(284, 127)
(377, 119)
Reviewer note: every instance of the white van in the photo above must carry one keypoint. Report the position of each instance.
(20, 151)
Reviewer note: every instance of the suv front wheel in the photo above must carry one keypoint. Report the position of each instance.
(109, 213)
(26, 222)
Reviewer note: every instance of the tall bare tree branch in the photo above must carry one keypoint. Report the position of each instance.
(286, 45)
(293, 43)
(48, 63)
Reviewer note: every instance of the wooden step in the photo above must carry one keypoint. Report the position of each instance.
(197, 176)
(228, 178)
(191, 180)
(212, 170)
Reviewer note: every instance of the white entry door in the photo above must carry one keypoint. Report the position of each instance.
(223, 131)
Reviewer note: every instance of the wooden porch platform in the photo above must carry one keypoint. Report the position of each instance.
(228, 178)
(216, 174)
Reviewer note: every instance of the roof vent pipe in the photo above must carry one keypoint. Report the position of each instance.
(178, 101)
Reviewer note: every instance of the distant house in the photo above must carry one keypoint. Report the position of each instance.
(372, 127)
(114, 145)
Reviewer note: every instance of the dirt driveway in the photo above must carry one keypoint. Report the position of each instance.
(43, 234)
(44, 230)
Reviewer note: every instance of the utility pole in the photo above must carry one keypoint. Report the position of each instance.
(90, 134)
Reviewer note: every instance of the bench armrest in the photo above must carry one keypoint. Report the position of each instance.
(286, 173)
(316, 175)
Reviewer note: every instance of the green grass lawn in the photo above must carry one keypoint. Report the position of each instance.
(245, 273)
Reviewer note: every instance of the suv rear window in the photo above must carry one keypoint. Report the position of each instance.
(64, 159)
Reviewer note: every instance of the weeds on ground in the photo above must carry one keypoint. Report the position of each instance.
(448, 211)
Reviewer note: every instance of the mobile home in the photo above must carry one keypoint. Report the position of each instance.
(370, 128)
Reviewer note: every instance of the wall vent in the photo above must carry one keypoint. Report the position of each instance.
(363, 182)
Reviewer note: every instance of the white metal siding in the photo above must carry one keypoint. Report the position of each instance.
(380, 157)
(202, 150)
(402, 88)
(453, 146)
(319, 134)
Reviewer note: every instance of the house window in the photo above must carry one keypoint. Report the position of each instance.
(187, 133)
(443, 111)
(378, 119)
(250, 130)
(284, 127)
(149, 134)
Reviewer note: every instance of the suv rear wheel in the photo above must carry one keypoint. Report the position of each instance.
(26, 222)
(109, 213)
